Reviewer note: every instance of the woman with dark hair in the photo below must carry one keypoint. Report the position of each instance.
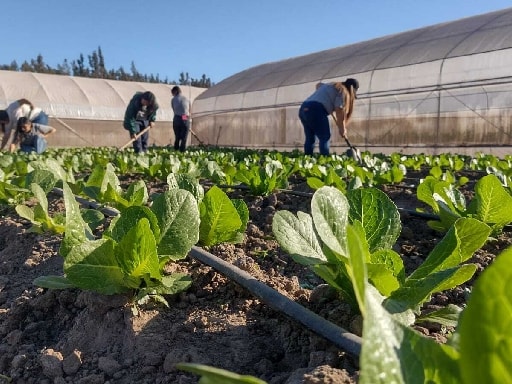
(331, 98)
(16, 110)
(181, 120)
(31, 136)
(140, 114)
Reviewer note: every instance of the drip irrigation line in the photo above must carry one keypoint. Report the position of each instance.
(340, 337)
(402, 186)
(423, 215)
(337, 335)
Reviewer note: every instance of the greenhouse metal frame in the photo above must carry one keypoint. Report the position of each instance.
(441, 88)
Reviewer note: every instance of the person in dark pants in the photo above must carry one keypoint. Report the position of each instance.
(181, 121)
(314, 113)
(140, 113)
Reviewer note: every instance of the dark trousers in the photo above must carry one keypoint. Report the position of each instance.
(181, 129)
(315, 120)
(141, 144)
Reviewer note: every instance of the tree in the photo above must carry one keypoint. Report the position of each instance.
(95, 67)
(78, 67)
(97, 64)
(101, 63)
(184, 79)
(38, 65)
(26, 67)
(64, 68)
(11, 67)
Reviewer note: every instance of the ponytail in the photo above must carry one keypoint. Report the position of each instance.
(25, 101)
(349, 95)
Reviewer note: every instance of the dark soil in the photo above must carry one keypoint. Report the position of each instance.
(71, 336)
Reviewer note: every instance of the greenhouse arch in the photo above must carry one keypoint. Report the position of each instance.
(441, 88)
(89, 112)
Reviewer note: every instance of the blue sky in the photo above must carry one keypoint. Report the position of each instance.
(214, 37)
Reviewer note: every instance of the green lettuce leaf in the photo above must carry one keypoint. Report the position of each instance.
(485, 326)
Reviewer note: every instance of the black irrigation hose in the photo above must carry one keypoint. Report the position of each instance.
(337, 335)
(423, 215)
(341, 338)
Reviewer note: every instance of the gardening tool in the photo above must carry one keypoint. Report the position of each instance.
(197, 137)
(136, 137)
(352, 152)
(71, 130)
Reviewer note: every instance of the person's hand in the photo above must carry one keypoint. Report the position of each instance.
(133, 135)
(343, 132)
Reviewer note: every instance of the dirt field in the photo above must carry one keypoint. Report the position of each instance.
(71, 336)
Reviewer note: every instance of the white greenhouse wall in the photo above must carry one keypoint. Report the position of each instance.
(442, 88)
(89, 112)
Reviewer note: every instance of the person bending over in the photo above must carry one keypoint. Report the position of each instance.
(140, 114)
(31, 136)
(330, 98)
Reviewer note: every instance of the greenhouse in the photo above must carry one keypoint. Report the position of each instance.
(89, 112)
(441, 88)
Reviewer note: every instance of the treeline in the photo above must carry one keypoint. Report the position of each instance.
(94, 67)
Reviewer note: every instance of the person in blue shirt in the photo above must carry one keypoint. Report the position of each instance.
(329, 98)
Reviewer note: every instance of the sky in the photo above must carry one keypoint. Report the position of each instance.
(217, 38)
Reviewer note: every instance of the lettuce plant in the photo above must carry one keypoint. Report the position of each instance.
(321, 240)
(265, 179)
(188, 183)
(131, 254)
(331, 178)
(222, 219)
(104, 187)
(38, 214)
(479, 351)
(491, 204)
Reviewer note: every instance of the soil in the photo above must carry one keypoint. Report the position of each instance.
(73, 336)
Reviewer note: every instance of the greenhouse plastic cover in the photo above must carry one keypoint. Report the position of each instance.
(464, 53)
(84, 98)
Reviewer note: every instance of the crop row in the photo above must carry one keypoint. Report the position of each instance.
(347, 240)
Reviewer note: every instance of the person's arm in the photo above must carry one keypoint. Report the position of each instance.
(14, 142)
(129, 118)
(341, 121)
(152, 117)
(44, 130)
(50, 132)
